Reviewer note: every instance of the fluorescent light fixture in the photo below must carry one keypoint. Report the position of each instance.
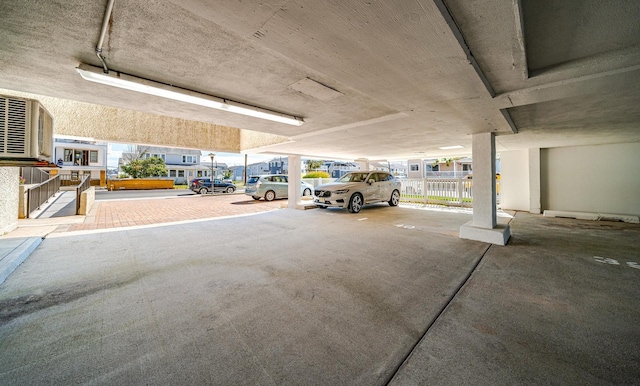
(451, 147)
(132, 83)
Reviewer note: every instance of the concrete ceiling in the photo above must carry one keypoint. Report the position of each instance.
(392, 79)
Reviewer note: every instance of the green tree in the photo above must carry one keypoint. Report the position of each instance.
(227, 174)
(313, 165)
(150, 167)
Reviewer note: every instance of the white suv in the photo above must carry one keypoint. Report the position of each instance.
(355, 189)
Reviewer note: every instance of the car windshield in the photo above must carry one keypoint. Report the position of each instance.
(353, 177)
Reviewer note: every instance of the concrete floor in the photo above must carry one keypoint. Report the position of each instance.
(326, 297)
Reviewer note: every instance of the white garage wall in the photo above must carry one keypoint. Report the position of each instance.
(598, 179)
(514, 180)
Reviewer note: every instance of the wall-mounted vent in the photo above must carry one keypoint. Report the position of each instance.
(26, 130)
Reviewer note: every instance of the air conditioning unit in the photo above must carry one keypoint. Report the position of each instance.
(26, 130)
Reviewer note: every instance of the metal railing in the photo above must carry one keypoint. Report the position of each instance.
(40, 193)
(33, 175)
(73, 178)
(84, 185)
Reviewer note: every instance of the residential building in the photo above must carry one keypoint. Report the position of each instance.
(76, 158)
(237, 173)
(279, 165)
(258, 168)
(398, 169)
(183, 165)
(337, 169)
(442, 167)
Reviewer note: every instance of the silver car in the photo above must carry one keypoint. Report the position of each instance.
(272, 186)
(355, 189)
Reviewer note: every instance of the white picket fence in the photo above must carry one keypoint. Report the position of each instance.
(448, 191)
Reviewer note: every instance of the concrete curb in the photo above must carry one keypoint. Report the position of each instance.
(13, 259)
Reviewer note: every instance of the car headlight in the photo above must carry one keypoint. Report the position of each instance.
(342, 191)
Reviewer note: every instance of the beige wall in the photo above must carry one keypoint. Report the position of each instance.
(593, 179)
(514, 180)
(129, 126)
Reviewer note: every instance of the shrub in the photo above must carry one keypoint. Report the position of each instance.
(317, 175)
(142, 168)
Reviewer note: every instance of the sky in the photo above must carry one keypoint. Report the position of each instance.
(115, 151)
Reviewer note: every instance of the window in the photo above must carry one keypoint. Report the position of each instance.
(93, 156)
(200, 173)
(188, 159)
(172, 173)
(180, 173)
(385, 177)
(68, 155)
(81, 157)
(414, 167)
(156, 155)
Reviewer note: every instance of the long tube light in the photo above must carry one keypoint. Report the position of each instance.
(132, 83)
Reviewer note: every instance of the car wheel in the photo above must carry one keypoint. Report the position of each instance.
(307, 192)
(230, 189)
(255, 197)
(395, 198)
(203, 191)
(355, 203)
(270, 195)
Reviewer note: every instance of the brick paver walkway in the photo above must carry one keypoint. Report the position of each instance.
(115, 214)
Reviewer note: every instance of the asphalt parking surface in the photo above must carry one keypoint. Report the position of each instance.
(389, 295)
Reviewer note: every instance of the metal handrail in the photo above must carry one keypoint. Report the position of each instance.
(73, 178)
(84, 185)
(40, 193)
(33, 175)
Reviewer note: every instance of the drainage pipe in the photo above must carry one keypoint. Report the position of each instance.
(103, 32)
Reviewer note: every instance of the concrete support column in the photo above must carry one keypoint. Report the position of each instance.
(484, 226)
(295, 180)
(484, 180)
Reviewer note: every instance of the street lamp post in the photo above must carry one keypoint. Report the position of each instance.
(212, 156)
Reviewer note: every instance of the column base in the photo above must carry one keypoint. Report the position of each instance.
(498, 235)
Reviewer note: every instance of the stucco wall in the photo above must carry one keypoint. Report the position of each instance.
(9, 191)
(600, 179)
(130, 126)
(87, 198)
(514, 180)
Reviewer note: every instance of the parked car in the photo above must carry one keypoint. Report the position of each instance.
(202, 185)
(355, 189)
(272, 186)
